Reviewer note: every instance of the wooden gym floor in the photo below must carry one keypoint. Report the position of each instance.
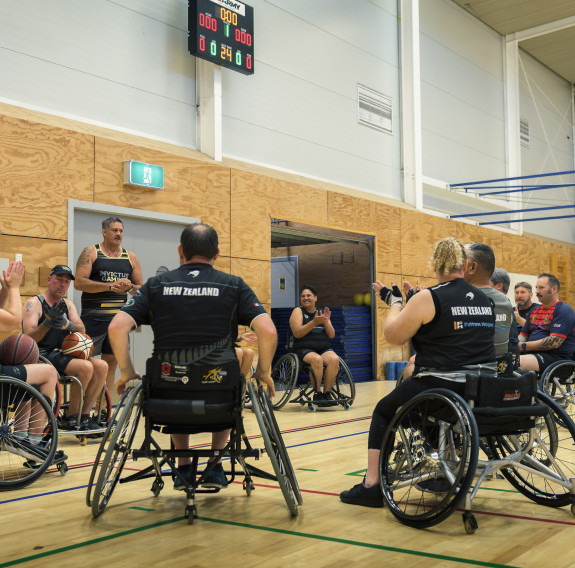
(49, 523)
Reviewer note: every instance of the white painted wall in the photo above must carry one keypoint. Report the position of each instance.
(122, 64)
(463, 120)
(299, 110)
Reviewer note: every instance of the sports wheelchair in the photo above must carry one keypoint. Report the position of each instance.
(24, 409)
(62, 400)
(189, 399)
(431, 450)
(558, 381)
(285, 375)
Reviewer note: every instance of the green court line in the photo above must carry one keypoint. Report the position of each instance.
(260, 528)
(358, 473)
(147, 510)
(305, 469)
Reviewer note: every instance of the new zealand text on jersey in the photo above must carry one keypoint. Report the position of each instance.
(471, 311)
(185, 291)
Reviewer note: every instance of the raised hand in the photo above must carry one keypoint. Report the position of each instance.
(391, 296)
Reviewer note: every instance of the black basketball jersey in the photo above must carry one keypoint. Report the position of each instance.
(194, 306)
(461, 333)
(105, 305)
(53, 339)
(315, 339)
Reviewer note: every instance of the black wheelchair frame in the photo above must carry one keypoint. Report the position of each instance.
(431, 451)
(106, 475)
(20, 463)
(285, 375)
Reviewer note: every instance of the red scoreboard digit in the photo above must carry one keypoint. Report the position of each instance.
(222, 31)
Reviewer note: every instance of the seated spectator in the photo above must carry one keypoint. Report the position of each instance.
(42, 376)
(49, 318)
(549, 333)
(451, 326)
(524, 303)
(312, 330)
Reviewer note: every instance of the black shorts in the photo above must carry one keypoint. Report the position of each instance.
(98, 331)
(58, 359)
(14, 371)
(545, 358)
(301, 353)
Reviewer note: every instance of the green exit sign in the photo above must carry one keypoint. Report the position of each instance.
(143, 175)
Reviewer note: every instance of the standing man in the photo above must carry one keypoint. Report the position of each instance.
(194, 312)
(549, 333)
(106, 273)
(48, 319)
(524, 303)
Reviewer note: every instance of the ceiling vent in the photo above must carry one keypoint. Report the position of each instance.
(374, 109)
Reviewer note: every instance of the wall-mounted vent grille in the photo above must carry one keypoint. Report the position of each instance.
(374, 109)
(524, 132)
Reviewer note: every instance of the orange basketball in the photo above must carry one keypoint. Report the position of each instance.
(78, 345)
(18, 349)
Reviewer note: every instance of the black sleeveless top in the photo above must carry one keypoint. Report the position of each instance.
(103, 306)
(461, 333)
(53, 339)
(316, 339)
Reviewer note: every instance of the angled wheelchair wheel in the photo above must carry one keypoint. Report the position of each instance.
(276, 450)
(107, 437)
(284, 375)
(558, 381)
(24, 409)
(116, 453)
(344, 387)
(428, 458)
(548, 481)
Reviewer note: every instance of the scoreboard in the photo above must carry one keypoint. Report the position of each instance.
(222, 31)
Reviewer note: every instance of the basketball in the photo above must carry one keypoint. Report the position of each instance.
(78, 345)
(18, 349)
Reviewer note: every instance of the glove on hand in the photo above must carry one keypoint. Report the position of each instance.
(392, 296)
(56, 319)
(410, 293)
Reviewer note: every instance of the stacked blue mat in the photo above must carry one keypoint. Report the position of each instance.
(352, 341)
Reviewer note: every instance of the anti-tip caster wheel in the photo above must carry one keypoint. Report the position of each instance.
(191, 514)
(469, 522)
(157, 487)
(248, 487)
(312, 407)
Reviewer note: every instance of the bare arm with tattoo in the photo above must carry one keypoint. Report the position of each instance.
(83, 270)
(545, 344)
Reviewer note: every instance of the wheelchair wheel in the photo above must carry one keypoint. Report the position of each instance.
(344, 387)
(276, 451)
(23, 408)
(102, 448)
(116, 453)
(284, 375)
(551, 455)
(272, 424)
(428, 458)
(558, 381)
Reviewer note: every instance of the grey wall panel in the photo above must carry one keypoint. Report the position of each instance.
(103, 62)
(310, 56)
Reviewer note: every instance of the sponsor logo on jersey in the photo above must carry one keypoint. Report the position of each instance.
(470, 295)
(214, 376)
(193, 273)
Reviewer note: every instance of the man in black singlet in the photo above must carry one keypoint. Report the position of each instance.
(194, 312)
(48, 319)
(106, 273)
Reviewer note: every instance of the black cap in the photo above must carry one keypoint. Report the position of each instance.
(62, 269)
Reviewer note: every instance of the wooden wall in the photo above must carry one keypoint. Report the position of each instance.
(46, 160)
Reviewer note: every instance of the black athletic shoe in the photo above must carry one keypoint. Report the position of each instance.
(216, 478)
(330, 398)
(68, 423)
(186, 472)
(361, 495)
(318, 396)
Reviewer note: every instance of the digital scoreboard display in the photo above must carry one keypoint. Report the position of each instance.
(222, 31)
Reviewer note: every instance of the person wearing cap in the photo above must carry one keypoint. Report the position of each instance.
(48, 319)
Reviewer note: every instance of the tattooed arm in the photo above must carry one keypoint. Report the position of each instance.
(83, 270)
(545, 344)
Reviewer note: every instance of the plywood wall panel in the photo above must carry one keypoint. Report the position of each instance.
(388, 238)
(36, 254)
(520, 254)
(42, 166)
(256, 274)
(419, 232)
(351, 213)
(250, 218)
